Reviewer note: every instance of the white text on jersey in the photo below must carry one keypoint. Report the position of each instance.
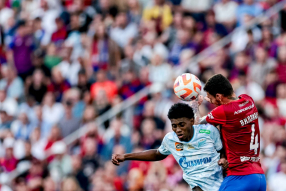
(249, 118)
(244, 109)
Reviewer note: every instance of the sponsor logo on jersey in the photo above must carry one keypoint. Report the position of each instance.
(249, 119)
(205, 131)
(186, 164)
(202, 142)
(253, 159)
(244, 109)
(179, 146)
(210, 115)
(243, 104)
(190, 146)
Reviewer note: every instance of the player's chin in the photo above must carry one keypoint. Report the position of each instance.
(180, 137)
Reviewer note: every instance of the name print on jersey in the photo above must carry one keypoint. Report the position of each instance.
(249, 118)
(186, 164)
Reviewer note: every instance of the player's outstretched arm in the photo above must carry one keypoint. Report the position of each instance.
(148, 155)
(195, 105)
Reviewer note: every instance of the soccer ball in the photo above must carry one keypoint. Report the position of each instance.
(187, 87)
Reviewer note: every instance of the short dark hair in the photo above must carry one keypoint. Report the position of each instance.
(218, 84)
(21, 23)
(180, 110)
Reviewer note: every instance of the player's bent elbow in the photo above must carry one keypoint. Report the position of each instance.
(160, 156)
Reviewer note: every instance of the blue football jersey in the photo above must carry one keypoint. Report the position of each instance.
(198, 158)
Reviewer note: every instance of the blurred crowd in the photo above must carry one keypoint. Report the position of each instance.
(66, 62)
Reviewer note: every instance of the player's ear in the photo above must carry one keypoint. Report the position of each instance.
(192, 121)
(218, 97)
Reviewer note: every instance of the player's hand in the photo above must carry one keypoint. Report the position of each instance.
(117, 159)
(207, 99)
(200, 99)
(197, 102)
(223, 162)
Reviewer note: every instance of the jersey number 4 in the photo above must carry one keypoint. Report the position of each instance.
(254, 140)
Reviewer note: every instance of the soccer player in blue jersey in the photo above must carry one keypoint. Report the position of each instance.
(195, 147)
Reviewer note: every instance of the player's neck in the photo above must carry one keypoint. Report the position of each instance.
(229, 99)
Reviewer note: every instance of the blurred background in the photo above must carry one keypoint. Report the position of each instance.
(82, 79)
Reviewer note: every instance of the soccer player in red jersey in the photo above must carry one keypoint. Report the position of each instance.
(237, 118)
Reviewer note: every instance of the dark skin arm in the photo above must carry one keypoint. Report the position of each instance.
(222, 161)
(148, 155)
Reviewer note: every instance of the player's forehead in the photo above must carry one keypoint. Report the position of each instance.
(180, 120)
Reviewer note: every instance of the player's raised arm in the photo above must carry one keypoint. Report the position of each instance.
(195, 105)
(148, 155)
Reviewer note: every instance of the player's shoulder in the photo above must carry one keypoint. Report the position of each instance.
(170, 136)
(218, 109)
(205, 128)
(246, 97)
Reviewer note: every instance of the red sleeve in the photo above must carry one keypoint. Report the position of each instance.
(216, 116)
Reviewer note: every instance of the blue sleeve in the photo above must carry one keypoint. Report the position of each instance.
(215, 136)
(163, 149)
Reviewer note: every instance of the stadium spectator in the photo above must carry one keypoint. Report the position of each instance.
(130, 84)
(36, 86)
(225, 13)
(118, 134)
(5, 14)
(39, 33)
(51, 110)
(161, 13)
(281, 98)
(38, 63)
(22, 46)
(9, 105)
(123, 32)
(68, 122)
(38, 144)
(79, 174)
(69, 68)
(102, 84)
(281, 64)
(159, 70)
(52, 57)
(275, 181)
(59, 84)
(134, 11)
(90, 158)
(261, 67)
(49, 184)
(183, 42)
(61, 164)
(248, 7)
(22, 128)
(104, 53)
(9, 162)
(11, 83)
